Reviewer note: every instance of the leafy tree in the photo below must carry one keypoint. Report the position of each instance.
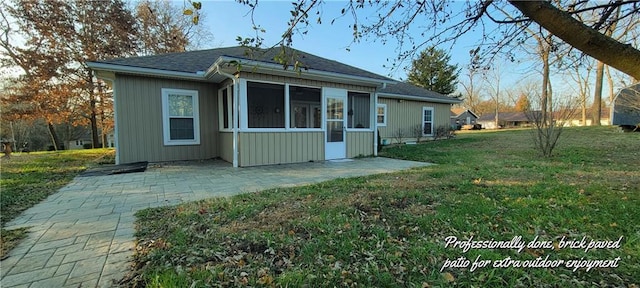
(59, 37)
(163, 29)
(523, 104)
(471, 91)
(432, 71)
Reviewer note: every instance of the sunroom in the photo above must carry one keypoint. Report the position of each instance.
(289, 120)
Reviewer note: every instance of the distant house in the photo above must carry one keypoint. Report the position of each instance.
(77, 144)
(462, 116)
(241, 105)
(576, 118)
(505, 120)
(81, 141)
(626, 107)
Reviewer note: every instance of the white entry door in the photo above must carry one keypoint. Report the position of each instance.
(335, 144)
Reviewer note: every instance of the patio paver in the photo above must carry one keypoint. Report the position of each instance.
(83, 235)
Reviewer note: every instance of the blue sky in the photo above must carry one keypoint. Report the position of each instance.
(229, 20)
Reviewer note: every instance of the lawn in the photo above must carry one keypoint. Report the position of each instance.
(28, 178)
(400, 229)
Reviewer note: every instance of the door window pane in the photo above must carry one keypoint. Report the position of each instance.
(335, 131)
(334, 109)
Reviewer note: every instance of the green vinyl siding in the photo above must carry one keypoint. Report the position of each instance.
(406, 114)
(264, 148)
(139, 120)
(359, 143)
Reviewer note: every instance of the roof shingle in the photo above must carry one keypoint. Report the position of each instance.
(194, 61)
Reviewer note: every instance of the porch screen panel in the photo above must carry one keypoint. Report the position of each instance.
(305, 107)
(265, 105)
(359, 110)
(225, 109)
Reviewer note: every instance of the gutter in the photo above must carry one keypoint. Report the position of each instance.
(420, 98)
(216, 69)
(144, 71)
(277, 68)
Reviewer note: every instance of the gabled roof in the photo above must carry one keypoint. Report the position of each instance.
(505, 116)
(200, 61)
(198, 64)
(456, 112)
(402, 90)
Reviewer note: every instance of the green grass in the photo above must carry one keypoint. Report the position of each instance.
(389, 230)
(29, 178)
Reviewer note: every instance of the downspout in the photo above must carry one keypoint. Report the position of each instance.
(236, 109)
(115, 117)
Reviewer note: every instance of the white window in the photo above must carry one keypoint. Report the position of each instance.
(381, 114)
(427, 121)
(181, 122)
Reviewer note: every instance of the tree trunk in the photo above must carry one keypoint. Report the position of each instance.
(609, 105)
(545, 83)
(95, 139)
(593, 43)
(54, 137)
(93, 113)
(584, 113)
(496, 119)
(597, 95)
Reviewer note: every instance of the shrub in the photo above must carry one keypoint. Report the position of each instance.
(416, 130)
(444, 132)
(399, 135)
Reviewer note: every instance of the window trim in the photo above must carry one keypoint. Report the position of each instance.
(166, 128)
(422, 121)
(384, 115)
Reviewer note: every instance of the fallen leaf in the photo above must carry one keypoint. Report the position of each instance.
(449, 277)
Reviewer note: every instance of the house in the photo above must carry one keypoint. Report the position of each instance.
(79, 142)
(505, 120)
(462, 116)
(240, 105)
(576, 117)
(626, 107)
